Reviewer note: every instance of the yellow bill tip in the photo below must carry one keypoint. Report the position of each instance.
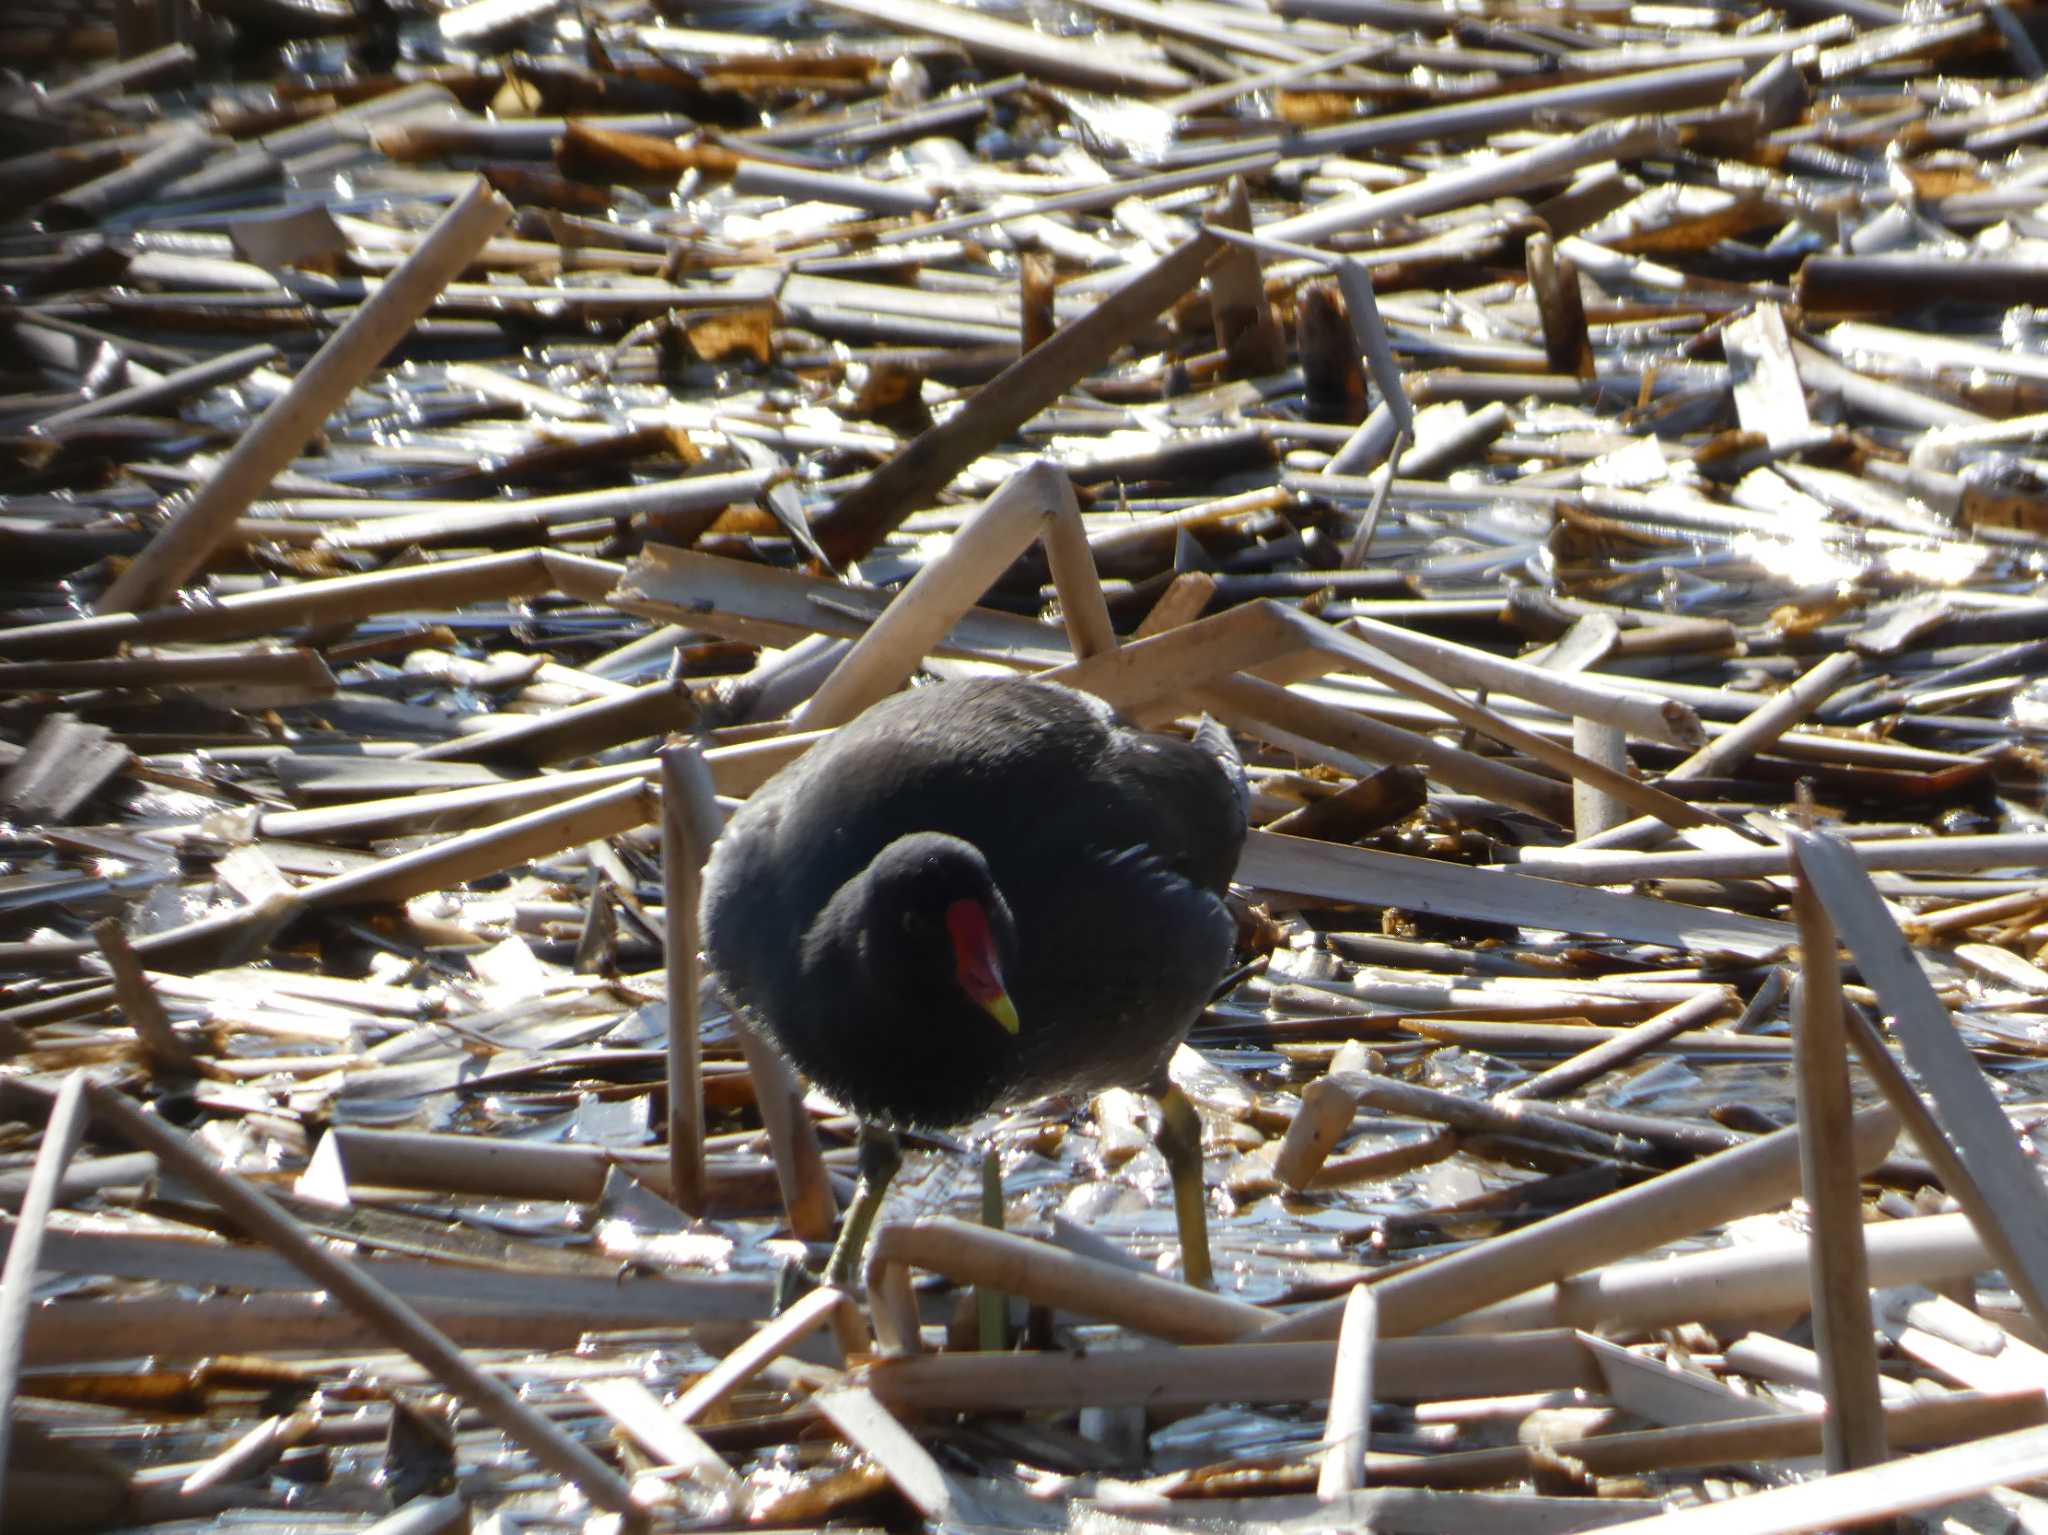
(1004, 1011)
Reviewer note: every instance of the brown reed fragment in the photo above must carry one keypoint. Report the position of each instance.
(256, 1213)
(1758, 1176)
(666, 1437)
(62, 1134)
(1036, 1272)
(866, 1422)
(689, 825)
(1199, 1375)
(195, 528)
(140, 1006)
(821, 1307)
(1349, 1421)
(1965, 1111)
(1843, 1334)
(1912, 1425)
(1326, 1112)
(1181, 603)
(1035, 284)
(488, 850)
(1349, 740)
(1870, 1493)
(1038, 502)
(863, 517)
(334, 600)
(1103, 63)
(253, 1453)
(1554, 283)
(1238, 303)
(581, 730)
(1570, 1075)
(807, 1197)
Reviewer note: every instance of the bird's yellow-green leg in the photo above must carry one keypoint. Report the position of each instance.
(992, 1307)
(880, 1156)
(1180, 1142)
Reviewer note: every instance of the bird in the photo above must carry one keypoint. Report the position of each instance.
(977, 893)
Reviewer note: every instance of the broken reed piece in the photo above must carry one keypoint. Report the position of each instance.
(1710, 1192)
(1569, 1075)
(1366, 876)
(357, 1155)
(140, 1006)
(1928, 926)
(63, 1132)
(680, 507)
(689, 824)
(174, 154)
(1361, 807)
(1200, 1375)
(1183, 601)
(1582, 695)
(1964, 1131)
(178, 384)
(1909, 1425)
(259, 1217)
(1355, 743)
(760, 1349)
(1498, 1116)
(1332, 366)
(1592, 811)
(1833, 286)
(1770, 395)
(1357, 655)
(254, 1453)
(1875, 855)
(1347, 1426)
(1238, 305)
(1767, 1278)
(185, 542)
(1560, 307)
(1371, 1166)
(1105, 62)
(1625, 138)
(587, 152)
(488, 850)
(1044, 1275)
(1842, 1329)
(1326, 1113)
(674, 1445)
(1039, 501)
(806, 1189)
(865, 1422)
(580, 730)
(1035, 291)
(736, 770)
(1870, 1493)
(182, 1329)
(927, 464)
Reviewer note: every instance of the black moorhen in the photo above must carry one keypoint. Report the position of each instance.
(977, 893)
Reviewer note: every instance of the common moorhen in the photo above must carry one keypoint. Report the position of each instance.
(977, 893)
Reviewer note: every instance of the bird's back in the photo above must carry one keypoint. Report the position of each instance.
(1112, 847)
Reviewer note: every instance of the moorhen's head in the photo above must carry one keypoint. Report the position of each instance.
(937, 931)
